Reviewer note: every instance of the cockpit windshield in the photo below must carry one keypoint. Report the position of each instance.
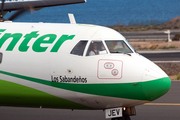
(117, 46)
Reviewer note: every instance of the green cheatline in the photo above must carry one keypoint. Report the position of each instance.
(119, 90)
(12, 94)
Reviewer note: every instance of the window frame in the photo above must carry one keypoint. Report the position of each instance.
(89, 45)
(84, 48)
(124, 42)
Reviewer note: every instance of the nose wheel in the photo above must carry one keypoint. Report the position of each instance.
(122, 118)
(127, 111)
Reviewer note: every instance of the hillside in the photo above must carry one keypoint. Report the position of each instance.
(173, 22)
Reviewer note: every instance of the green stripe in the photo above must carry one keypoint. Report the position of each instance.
(119, 90)
(12, 94)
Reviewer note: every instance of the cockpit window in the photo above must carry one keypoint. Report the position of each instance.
(79, 48)
(117, 46)
(1, 55)
(96, 48)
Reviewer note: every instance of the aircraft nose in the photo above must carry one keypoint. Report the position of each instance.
(155, 83)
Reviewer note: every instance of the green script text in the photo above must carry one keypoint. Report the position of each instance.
(36, 47)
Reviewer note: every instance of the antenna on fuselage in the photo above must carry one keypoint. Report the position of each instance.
(71, 18)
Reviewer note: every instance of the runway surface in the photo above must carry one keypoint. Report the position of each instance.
(165, 108)
(171, 56)
(149, 35)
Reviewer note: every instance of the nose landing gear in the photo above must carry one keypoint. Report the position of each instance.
(127, 111)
